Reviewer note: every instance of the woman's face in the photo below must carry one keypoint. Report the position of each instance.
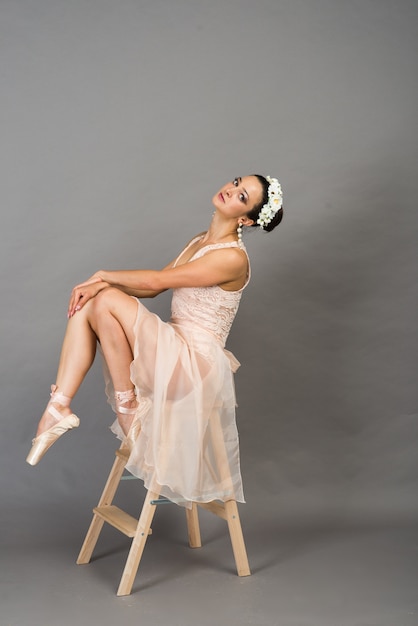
(239, 196)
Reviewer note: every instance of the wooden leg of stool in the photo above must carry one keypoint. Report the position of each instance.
(193, 527)
(90, 540)
(237, 539)
(138, 545)
(105, 499)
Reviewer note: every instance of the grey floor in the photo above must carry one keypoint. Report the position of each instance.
(308, 573)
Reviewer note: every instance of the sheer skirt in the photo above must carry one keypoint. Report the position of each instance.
(188, 448)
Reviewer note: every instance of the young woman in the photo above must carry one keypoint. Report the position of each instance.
(169, 383)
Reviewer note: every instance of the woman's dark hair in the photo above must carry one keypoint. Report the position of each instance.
(253, 214)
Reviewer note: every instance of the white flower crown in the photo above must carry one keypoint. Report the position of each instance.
(273, 204)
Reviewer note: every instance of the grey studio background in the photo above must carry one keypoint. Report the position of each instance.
(119, 122)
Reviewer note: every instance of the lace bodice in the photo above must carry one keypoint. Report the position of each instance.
(210, 308)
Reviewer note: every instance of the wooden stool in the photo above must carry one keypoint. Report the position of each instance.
(139, 529)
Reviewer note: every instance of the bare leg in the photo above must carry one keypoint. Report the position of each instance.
(77, 356)
(109, 318)
(113, 322)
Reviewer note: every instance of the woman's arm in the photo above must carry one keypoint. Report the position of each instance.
(83, 292)
(218, 267)
(227, 267)
(138, 293)
(142, 293)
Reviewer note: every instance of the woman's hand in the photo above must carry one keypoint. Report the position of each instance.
(84, 292)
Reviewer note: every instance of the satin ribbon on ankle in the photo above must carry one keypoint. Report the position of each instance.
(125, 396)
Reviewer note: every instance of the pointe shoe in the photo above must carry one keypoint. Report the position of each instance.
(120, 398)
(42, 443)
(135, 429)
(143, 404)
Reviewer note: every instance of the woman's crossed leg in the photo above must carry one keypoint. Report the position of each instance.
(109, 318)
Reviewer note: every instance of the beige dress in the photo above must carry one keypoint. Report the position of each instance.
(188, 448)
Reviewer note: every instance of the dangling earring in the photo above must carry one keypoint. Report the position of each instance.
(239, 233)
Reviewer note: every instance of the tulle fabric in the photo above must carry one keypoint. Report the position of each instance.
(188, 448)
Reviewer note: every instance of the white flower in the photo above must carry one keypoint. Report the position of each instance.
(273, 204)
